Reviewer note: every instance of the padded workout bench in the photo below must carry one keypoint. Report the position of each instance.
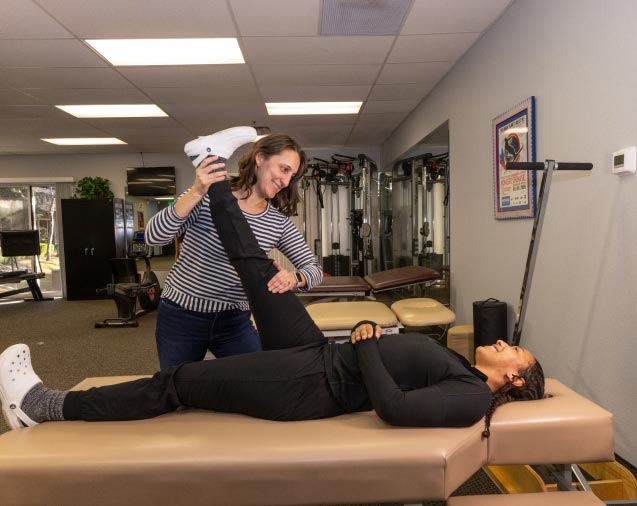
(344, 287)
(198, 458)
(31, 279)
(336, 319)
(18, 243)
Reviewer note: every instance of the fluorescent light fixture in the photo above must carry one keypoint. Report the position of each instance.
(114, 111)
(199, 51)
(85, 141)
(165, 198)
(295, 108)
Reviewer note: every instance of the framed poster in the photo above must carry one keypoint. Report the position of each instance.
(514, 141)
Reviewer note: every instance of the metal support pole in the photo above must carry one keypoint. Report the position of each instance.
(548, 167)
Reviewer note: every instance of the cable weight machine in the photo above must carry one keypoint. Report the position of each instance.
(337, 213)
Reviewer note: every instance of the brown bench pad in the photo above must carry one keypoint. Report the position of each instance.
(401, 276)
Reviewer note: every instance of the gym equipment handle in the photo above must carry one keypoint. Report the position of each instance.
(541, 166)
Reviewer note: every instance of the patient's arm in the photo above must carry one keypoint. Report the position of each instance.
(455, 400)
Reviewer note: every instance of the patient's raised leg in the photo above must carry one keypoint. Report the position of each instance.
(281, 318)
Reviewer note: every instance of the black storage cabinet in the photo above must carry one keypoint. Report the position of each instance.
(93, 232)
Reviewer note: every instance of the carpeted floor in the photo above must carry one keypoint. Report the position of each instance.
(66, 348)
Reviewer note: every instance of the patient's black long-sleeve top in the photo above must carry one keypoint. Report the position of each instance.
(409, 379)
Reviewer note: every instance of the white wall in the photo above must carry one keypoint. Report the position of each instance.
(577, 58)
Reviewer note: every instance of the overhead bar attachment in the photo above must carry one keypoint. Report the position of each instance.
(544, 165)
(549, 166)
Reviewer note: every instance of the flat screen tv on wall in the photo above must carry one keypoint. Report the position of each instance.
(151, 181)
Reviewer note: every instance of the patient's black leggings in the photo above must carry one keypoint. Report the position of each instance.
(286, 381)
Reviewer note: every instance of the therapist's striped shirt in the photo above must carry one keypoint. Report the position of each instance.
(202, 278)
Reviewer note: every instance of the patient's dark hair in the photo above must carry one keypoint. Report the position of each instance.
(287, 199)
(532, 389)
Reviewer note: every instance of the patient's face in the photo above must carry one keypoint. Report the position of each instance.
(501, 354)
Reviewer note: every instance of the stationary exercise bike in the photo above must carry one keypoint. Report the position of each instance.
(127, 289)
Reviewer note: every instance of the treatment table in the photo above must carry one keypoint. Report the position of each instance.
(336, 319)
(345, 287)
(198, 458)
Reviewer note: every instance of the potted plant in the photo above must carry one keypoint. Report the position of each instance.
(93, 188)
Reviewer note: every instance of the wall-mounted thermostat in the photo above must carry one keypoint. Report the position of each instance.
(625, 161)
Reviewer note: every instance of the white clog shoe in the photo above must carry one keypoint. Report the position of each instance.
(17, 377)
(222, 143)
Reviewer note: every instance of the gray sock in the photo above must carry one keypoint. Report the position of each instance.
(43, 404)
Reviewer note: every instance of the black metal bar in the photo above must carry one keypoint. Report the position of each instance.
(542, 166)
(525, 166)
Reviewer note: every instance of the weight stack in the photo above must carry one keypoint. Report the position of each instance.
(489, 322)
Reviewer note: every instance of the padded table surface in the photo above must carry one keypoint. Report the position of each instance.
(565, 428)
(422, 312)
(198, 458)
(400, 276)
(344, 315)
(340, 284)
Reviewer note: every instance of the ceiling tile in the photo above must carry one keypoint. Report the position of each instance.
(209, 95)
(284, 123)
(30, 111)
(40, 25)
(314, 93)
(367, 138)
(387, 120)
(424, 48)
(13, 97)
(111, 19)
(34, 125)
(47, 53)
(317, 75)
(399, 91)
(63, 78)
(390, 106)
(452, 16)
(317, 50)
(203, 119)
(259, 18)
(106, 124)
(71, 96)
(404, 73)
(309, 137)
(188, 76)
(154, 132)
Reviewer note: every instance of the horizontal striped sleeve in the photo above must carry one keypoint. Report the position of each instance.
(293, 246)
(167, 225)
(202, 278)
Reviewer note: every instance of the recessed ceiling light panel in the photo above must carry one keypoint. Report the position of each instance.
(85, 141)
(300, 108)
(114, 111)
(198, 51)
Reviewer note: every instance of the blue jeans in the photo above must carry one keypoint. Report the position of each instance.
(184, 336)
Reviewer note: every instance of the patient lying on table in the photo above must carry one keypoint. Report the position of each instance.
(408, 379)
